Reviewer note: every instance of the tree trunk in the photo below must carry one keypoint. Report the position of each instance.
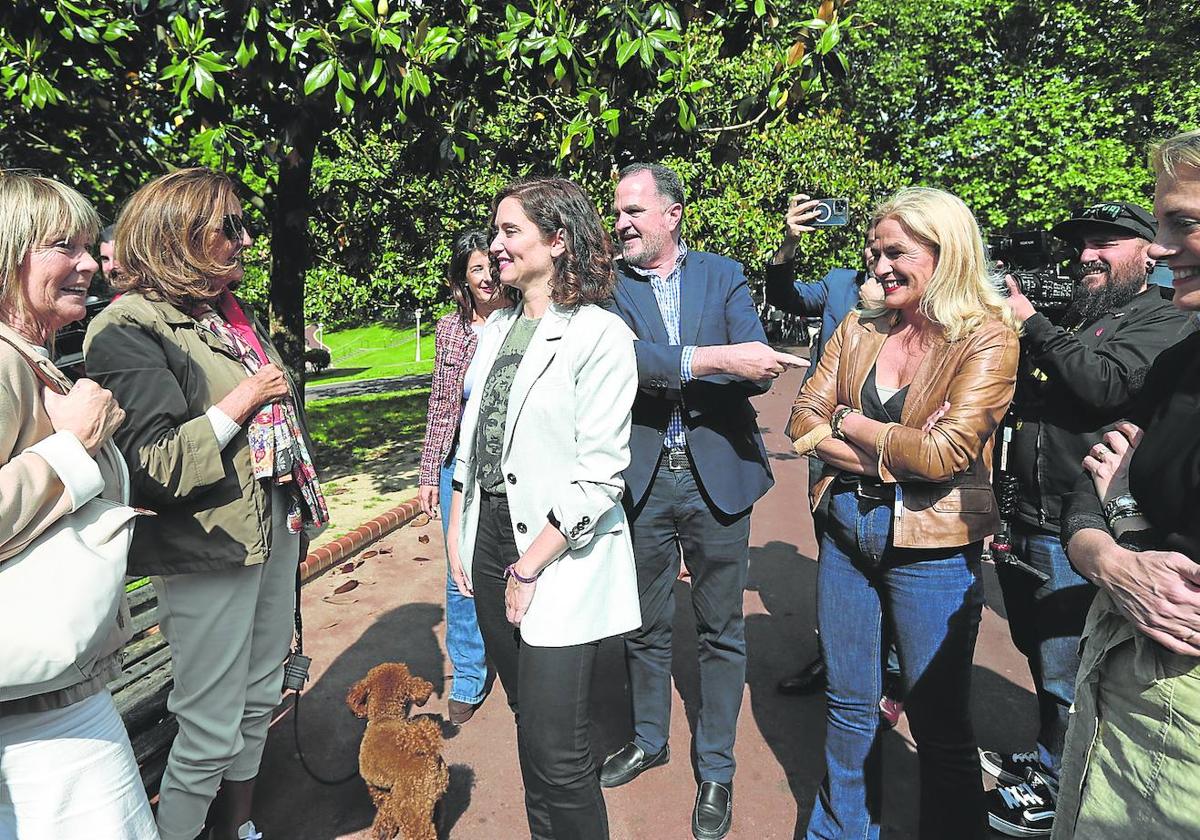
(290, 251)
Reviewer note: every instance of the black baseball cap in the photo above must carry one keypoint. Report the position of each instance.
(1110, 215)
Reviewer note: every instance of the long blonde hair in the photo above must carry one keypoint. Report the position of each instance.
(963, 292)
(164, 236)
(34, 209)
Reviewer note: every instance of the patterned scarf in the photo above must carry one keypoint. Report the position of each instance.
(277, 448)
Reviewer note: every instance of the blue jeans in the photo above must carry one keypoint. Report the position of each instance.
(1045, 620)
(932, 600)
(464, 644)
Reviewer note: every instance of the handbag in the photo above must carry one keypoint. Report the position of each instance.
(60, 596)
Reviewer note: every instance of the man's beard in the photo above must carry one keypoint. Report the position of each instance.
(1121, 286)
(647, 247)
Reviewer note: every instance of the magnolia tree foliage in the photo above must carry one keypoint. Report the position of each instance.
(113, 92)
(384, 243)
(1025, 108)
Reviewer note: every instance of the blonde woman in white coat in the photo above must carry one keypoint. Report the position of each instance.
(537, 531)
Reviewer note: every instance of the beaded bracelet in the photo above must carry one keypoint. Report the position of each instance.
(511, 571)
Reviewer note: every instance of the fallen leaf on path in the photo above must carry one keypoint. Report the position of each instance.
(421, 520)
(422, 559)
(367, 555)
(385, 550)
(345, 587)
(340, 600)
(330, 626)
(424, 538)
(349, 567)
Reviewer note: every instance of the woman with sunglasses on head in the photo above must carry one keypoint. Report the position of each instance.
(478, 293)
(536, 520)
(217, 448)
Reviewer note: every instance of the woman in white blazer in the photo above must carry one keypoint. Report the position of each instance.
(537, 531)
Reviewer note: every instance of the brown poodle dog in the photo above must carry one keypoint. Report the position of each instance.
(400, 759)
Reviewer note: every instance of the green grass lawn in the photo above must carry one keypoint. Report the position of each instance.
(380, 434)
(375, 351)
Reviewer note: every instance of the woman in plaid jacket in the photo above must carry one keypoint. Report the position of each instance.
(478, 294)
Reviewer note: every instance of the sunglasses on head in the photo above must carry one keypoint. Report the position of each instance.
(234, 227)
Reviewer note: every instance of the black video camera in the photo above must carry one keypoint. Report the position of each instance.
(1032, 259)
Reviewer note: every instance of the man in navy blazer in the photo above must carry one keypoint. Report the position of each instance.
(697, 466)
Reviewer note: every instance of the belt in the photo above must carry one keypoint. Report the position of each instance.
(864, 487)
(676, 459)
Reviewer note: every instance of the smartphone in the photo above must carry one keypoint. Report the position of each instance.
(832, 212)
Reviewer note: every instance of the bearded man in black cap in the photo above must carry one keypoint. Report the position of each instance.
(1075, 377)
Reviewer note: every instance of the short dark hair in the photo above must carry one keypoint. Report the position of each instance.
(666, 181)
(107, 233)
(583, 273)
(463, 245)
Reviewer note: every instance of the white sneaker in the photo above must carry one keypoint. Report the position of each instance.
(247, 831)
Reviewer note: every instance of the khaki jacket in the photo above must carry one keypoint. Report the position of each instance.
(166, 371)
(946, 496)
(45, 475)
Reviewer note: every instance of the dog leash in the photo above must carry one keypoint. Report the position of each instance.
(295, 674)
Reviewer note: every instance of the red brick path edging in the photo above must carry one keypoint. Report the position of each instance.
(332, 553)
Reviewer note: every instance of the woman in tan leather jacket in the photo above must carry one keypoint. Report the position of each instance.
(901, 409)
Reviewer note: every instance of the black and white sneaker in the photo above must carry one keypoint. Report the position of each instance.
(1009, 768)
(1022, 810)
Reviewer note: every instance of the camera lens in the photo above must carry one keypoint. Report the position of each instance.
(839, 207)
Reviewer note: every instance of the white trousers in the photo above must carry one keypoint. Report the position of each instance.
(69, 774)
(229, 633)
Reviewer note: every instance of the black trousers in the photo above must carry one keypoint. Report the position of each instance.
(676, 517)
(549, 690)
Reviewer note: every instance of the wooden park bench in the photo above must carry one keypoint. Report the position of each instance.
(140, 693)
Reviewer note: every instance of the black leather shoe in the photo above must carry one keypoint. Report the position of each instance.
(810, 679)
(629, 762)
(713, 813)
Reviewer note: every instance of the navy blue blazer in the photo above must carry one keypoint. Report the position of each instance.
(720, 423)
(833, 298)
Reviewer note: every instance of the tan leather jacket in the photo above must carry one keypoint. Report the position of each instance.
(945, 475)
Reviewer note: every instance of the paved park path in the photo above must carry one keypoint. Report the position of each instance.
(395, 613)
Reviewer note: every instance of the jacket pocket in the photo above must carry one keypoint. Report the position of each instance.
(966, 500)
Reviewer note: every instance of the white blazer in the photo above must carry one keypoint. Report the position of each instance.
(566, 444)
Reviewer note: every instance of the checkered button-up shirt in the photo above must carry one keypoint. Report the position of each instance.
(666, 292)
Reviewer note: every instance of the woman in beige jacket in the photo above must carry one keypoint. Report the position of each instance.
(65, 761)
(217, 448)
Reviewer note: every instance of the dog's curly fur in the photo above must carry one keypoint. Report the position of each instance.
(400, 759)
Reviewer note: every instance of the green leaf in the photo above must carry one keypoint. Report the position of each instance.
(828, 40)
(252, 19)
(319, 76)
(182, 32)
(245, 53)
(625, 51)
(345, 103)
(760, 8)
(203, 81)
(365, 8)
